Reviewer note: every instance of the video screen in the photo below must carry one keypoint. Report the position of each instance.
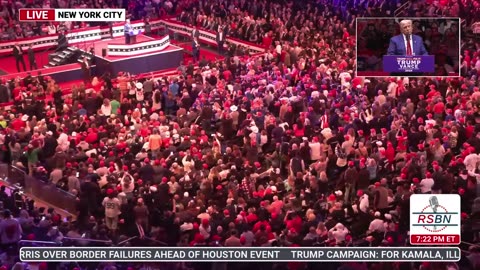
(411, 47)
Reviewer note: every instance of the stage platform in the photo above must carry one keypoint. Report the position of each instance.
(145, 55)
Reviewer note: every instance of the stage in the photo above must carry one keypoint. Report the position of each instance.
(145, 55)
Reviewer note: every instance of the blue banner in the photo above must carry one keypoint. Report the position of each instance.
(400, 63)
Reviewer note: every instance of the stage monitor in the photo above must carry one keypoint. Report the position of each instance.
(408, 47)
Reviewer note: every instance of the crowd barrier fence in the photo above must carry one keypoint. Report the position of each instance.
(47, 192)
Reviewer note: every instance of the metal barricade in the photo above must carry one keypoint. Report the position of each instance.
(13, 175)
(35, 243)
(47, 192)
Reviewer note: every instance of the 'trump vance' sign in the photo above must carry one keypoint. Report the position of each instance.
(435, 219)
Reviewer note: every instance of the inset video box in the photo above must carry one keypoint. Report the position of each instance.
(409, 47)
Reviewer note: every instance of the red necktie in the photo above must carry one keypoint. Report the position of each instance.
(409, 47)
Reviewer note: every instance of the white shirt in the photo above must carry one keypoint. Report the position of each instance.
(364, 203)
(411, 43)
(315, 152)
(278, 48)
(51, 30)
(112, 207)
(339, 232)
(470, 162)
(106, 110)
(343, 77)
(477, 65)
(426, 185)
(63, 141)
(376, 226)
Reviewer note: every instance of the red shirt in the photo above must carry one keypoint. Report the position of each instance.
(299, 132)
(282, 56)
(166, 142)
(121, 145)
(16, 92)
(267, 42)
(18, 124)
(390, 154)
(227, 74)
(439, 108)
(469, 131)
(91, 138)
(144, 132)
(432, 93)
(295, 223)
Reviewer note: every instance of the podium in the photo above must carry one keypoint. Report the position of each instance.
(133, 35)
(409, 64)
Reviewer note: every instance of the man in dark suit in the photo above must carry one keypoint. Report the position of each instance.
(31, 58)
(4, 93)
(220, 39)
(195, 32)
(406, 43)
(18, 54)
(195, 50)
(86, 70)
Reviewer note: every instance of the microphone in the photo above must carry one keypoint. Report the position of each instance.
(407, 37)
(434, 205)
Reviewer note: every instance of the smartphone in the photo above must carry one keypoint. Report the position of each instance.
(78, 174)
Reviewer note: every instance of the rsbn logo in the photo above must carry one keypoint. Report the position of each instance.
(435, 219)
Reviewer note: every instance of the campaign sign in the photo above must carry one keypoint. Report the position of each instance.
(402, 63)
(435, 219)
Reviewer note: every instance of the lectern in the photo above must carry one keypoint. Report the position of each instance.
(133, 35)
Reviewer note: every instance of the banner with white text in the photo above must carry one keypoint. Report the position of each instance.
(244, 254)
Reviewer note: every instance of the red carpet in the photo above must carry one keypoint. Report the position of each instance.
(209, 54)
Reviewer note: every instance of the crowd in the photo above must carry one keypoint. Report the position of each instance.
(287, 148)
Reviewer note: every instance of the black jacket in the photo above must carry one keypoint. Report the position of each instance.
(17, 52)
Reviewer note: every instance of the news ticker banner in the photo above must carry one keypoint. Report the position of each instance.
(421, 63)
(244, 254)
(72, 15)
(435, 219)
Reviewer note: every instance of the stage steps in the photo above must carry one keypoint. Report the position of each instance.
(90, 57)
(63, 57)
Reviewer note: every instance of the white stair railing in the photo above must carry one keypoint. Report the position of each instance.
(399, 11)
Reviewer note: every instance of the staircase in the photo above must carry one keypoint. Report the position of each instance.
(66, 56)
(402, 9)
(90, 57)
